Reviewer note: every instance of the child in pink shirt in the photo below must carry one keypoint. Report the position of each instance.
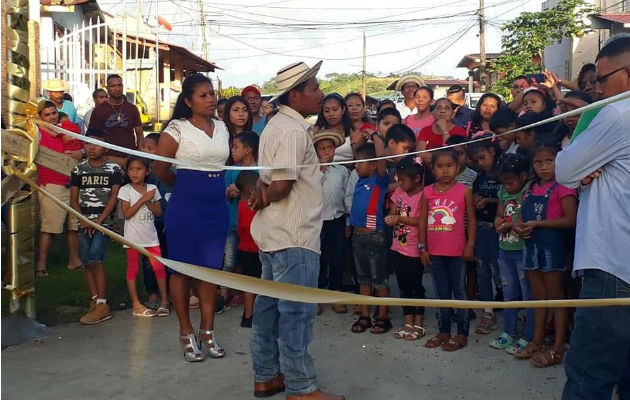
(405, 257)
(444, 243)
(548, 213)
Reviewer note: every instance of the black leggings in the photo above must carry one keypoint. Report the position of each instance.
(409, 272)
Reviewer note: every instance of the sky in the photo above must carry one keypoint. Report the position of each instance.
(252, 39)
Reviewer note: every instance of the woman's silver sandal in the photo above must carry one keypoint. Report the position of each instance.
(192, 353)
(211, 346)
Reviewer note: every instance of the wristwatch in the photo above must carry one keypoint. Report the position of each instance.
(422, 246)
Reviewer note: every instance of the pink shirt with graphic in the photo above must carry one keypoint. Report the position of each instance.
(554, 207)
(446, 235)
(406, 236)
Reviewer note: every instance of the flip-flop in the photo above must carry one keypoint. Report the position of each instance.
(148, 313)
(163, 312)
(41, 273)
(71, 268)
(194, 302)
(453, 345)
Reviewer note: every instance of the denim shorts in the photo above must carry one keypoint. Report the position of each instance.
(544, 259)
(93, 248)
(229, 257)
(369, 257)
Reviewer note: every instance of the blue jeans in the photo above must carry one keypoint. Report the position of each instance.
(448, 277)
(515, 287)
(92, 249)
(332, 261)
(486, 252)
(150, 283)
(230, 257)
(282, 329)
(599, 354)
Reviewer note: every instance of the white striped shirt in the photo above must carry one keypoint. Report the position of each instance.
(296, 220)
(334, 182)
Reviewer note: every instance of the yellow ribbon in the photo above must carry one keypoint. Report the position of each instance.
(311, 295)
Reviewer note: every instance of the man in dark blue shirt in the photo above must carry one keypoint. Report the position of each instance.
(464, 114)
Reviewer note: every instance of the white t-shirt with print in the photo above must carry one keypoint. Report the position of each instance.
(140, 228)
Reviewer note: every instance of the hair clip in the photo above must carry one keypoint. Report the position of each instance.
(417, 161)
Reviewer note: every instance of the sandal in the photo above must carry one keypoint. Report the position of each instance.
(437, 341)
(487, 324)
(361, 325)
(193, 302)
(190, 345)
(72, 268)
(454, 345)
(546, 358)
(528, 351)
(163, 311)
(144, 312)
(404, 330)
(418, 332)
(380, 326)
(41, 273)
(518, 346)
(210, 345)
(501, 342)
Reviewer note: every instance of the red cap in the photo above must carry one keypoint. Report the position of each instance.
(251, 88)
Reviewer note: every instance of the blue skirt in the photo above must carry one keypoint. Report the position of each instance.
(197, 220)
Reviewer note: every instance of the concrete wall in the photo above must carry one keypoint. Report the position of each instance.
(566, 58)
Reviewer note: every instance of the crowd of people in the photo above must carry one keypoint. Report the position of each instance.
(489, 212)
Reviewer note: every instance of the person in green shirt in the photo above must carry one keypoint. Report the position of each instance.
(513, 173)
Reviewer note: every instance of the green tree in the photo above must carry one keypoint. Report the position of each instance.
(524, 39)
(269, 87)
(229, 92)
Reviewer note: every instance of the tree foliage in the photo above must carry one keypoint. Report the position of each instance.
(524, 39)
(229, 92)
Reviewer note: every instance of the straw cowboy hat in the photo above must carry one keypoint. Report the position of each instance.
(55, 85)
(409, 79)
(336, 138)
(292, 75)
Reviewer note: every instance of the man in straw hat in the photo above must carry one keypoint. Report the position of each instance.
(56, 88)
(407, 86)
(286, 228)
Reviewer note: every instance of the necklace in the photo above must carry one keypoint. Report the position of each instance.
(435, 187)
(118, 118)
(207, 127)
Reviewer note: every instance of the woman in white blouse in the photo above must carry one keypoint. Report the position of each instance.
(197, 216)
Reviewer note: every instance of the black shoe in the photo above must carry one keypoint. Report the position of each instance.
(246, 322)
(220, 306)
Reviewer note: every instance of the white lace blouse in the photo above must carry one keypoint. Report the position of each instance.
(196, 146)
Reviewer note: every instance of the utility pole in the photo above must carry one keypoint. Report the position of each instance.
(204, 43)
(157, 66)
(363, 84)
(482, 48)
(136, 77)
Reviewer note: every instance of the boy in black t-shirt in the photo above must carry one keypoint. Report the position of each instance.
(95, 183)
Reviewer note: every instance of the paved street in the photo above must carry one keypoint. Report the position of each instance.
(131, 358)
